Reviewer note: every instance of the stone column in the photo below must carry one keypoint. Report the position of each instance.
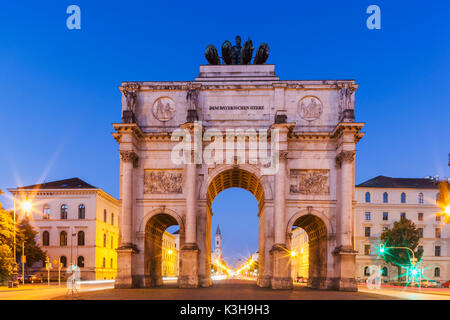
(126, 248)
(280, 200)
(344, 253)
(281, 277)
(190, 250)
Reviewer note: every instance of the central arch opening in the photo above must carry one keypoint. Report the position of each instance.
(242, 262)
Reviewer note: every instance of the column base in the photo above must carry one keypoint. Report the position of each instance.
(345, 266)
(204, 281)
(281, 278)
(124, 278)
(319, 283)
(189, 266)
(264, 281)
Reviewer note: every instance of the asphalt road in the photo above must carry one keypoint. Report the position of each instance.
(230, 289)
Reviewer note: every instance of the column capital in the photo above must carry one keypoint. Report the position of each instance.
(129, 156)
(345, 156)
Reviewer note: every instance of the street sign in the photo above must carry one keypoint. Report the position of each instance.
(48, 265)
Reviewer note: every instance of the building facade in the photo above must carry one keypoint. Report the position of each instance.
(76, 223)
(170, 251)
(299, 254)
(383, 200)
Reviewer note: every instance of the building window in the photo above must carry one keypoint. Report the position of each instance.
(81, 211)
(438, 195)
(367, 196)
(366, 271)
(384, 272)
(63, 239)
(437, 272)
(63, 261)
(112, 242)
(63, 211)
(420, 216)
(111, 263)
(438, 217)
(420, 232)
(385, 216)
(437, 251)
(420, 198)
(80, 261)
(367, 231)
(46, 213)
(104, 240)
(438, 232)
(367, 249)
(45, 238)
(403, 197)
(367, 216)
(104, 262)
(81, 238)
(402, 215)
(385, 197)
(112, 219)
(104, 216)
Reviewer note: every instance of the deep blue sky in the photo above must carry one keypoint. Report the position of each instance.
(59, 91)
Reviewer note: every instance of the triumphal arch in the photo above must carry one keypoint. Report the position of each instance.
(289, 142)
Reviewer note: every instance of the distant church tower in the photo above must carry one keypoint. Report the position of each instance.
(218, 244)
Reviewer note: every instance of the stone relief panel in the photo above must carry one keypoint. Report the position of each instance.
(164, 109)
(163, 181)
(309, 182)
(310, 108)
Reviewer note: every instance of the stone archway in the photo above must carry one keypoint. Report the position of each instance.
(317, 241)
(312, 134)
(153, 238)
(235, 177)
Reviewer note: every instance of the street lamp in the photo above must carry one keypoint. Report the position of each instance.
(27, 207)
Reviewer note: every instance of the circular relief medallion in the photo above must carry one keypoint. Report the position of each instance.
(164, 109)
(310, 108)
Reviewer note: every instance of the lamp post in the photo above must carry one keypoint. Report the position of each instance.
(413, 259)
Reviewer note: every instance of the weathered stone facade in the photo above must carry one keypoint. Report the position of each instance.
(309, 129)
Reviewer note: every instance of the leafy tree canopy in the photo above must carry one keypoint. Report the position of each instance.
(403, 234)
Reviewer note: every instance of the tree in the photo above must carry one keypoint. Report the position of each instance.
(32, 251)
(6, 243)
(403, 234)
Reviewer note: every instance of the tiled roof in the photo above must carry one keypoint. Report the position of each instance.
(388, 182)
(72, 183)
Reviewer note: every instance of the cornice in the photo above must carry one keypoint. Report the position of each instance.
(127, 128)
(348, 127)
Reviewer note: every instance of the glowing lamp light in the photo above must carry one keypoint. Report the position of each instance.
(382, 249)
(447, 210)
(26, 206)
(293, 253)
(169, 251)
